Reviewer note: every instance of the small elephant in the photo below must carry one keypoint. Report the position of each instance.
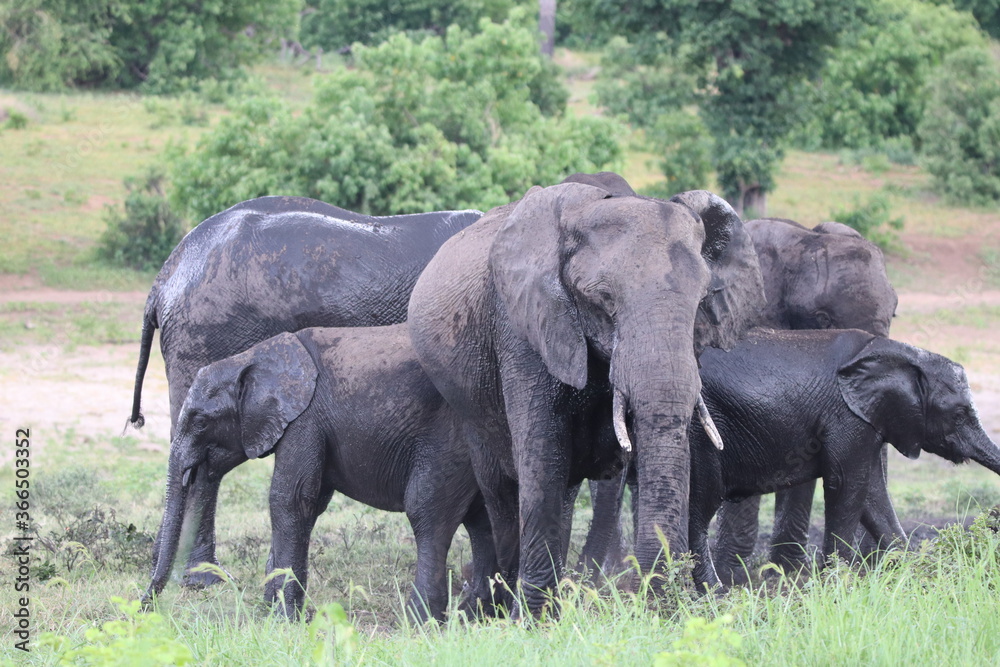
(827, 277)
(270, 265)
(794, 406)
(341, 409)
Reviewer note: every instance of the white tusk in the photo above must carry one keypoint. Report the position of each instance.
(618, 418)
(708, 424)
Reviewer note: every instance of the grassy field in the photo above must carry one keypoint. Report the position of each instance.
(67, 355)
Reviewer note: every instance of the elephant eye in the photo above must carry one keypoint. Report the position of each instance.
(823, 320)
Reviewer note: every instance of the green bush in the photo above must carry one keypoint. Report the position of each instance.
(961, 127)
(16, 120)
(334, 24)
(143, 236)
(685, 147)
(872, 87)
(160, 45)
(872, 220)
(641, 90)
(443, 122)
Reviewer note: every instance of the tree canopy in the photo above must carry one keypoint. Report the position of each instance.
(750, 59)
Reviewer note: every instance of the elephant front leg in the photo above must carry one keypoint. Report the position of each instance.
(792, 512)
(845, 499)
(879, 517)
(737, 537)
(605, 549)
(295, 502)
(206, 496)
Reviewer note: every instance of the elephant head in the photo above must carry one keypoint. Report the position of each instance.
(236, 409)
(917, 400)
(512, 320)
(829, 277)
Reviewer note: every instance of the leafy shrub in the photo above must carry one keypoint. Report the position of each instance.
(872, 220)
(871, 88)
(140, 638)
(16, 120)
(685, 147)
(961, 127)
(97, 537)
(333, 24)
(161, 45)
(641, 90)
(143, 236)
(443, 122)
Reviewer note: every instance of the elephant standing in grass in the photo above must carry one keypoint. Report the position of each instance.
(346, 410)
(794, 406)
(566, 317)
(829, 277)
(268, 266)
(820, 278)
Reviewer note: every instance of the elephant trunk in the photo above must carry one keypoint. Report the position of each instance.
(659, 379)
(983, 450)
(179, 516)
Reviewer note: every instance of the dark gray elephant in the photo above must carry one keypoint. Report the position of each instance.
(820, 278)
(800, 405)
(829, 277)
(346, 410)
(271, 265)
(564, 317)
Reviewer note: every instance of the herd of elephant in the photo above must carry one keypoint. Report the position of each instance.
(474, 369)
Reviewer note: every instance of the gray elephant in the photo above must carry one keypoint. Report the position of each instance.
(826, 277)
(570, 315)
(345, 410)
(829, 277)
(794, 406)
(271, 265)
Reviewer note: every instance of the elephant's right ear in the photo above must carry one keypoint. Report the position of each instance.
(526, 264)
(273, 389)
(885, 386)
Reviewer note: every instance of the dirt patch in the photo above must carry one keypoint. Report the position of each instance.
(86, 392)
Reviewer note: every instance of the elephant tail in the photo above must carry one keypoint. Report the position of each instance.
(148, 328)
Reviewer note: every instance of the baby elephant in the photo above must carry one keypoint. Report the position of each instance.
(793, 406)
(342, 409)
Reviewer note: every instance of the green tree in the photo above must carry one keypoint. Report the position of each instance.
(751, 59)
(443, 122)
(961, 127)
(872, 87)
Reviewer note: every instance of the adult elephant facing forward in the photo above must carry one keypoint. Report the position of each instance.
(553, 318)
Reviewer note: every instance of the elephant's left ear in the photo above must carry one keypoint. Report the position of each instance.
(275, 387)
(884, 384)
